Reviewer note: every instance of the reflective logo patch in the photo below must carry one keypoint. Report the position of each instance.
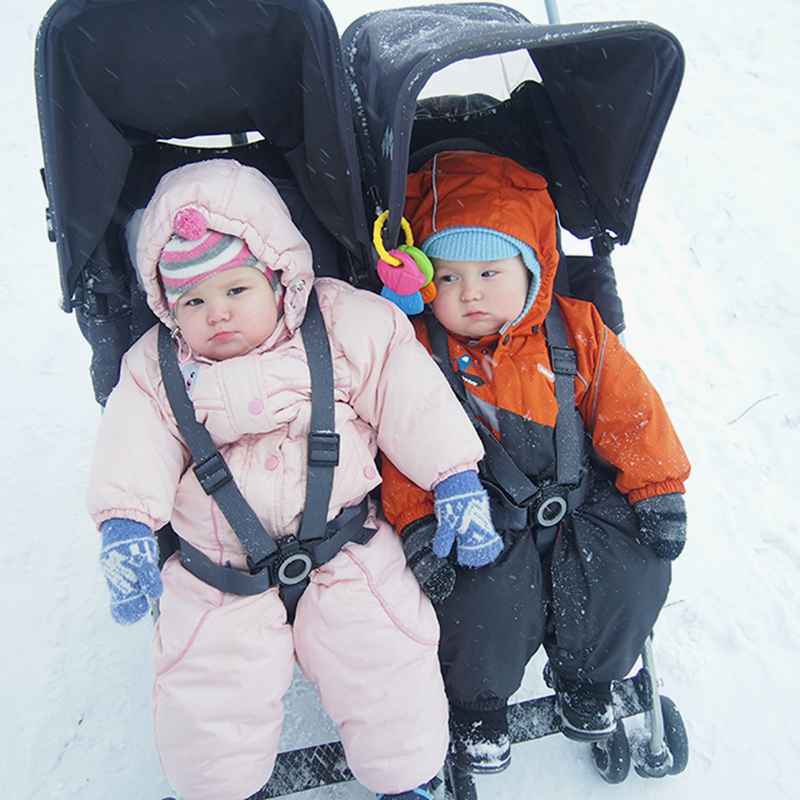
(547, 373)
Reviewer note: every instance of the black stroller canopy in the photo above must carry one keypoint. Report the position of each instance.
(116, 76)
(592, 126)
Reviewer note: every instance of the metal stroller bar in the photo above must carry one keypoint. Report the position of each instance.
(552, 12)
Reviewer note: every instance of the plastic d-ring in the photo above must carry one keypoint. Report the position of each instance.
(377, 238)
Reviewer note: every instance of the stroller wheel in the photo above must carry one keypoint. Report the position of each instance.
(612, 756)
(675, 735)
(674, 754)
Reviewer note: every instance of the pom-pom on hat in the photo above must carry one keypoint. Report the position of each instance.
(194, 253)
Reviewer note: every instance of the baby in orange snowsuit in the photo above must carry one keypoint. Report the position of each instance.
(587, 585)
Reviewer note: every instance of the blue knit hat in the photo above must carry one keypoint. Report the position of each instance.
(470, 243)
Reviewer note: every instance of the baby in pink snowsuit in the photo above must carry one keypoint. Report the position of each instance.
(227, 271)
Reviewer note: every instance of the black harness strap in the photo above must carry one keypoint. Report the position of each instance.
(323, 441)
(569, 428)
(210, 467)
(347, 527)
(288, 560)
(502, 467)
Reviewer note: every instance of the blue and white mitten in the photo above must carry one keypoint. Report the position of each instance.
(462, 510)
(129, 559)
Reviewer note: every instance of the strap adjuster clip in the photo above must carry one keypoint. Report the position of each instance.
(563, 360)
(213, 473)
(323, 449)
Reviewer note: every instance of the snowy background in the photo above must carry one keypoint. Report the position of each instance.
(711, 297)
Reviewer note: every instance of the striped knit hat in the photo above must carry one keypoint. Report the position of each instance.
(194, 253)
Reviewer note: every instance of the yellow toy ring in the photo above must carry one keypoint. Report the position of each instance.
(377, 238)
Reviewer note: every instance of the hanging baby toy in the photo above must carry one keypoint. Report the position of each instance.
(406, 273)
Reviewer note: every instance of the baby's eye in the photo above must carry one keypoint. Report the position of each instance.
(237, 290)
(194, 301)
(446, 278)
(489, 273)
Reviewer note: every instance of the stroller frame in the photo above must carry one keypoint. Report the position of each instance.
(661, 750)
(338, 143)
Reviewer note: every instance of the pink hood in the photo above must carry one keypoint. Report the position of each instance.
(237, 200)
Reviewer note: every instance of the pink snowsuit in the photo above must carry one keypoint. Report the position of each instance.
(364, 633)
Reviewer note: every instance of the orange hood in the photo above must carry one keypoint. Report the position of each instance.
(468, 188)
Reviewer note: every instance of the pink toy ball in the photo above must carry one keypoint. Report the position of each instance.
(403, 279)
(189, 223)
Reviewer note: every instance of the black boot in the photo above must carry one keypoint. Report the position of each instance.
(586, 710)
(479, 740)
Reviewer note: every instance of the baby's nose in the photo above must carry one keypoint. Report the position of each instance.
(470, 290)
(217, 312)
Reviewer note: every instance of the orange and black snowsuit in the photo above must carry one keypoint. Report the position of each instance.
(594, 595)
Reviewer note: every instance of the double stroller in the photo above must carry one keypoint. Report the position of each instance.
(130, 89)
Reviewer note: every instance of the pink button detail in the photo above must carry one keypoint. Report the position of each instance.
(255, 407)
(369, 473)
(271, 463)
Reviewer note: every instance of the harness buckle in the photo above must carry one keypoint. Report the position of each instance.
(550, 505)
(551, 511)
(291, 564)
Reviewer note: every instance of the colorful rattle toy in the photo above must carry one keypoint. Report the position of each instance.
(406, 272)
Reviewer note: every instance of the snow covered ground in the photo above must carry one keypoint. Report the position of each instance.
(711, 301)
